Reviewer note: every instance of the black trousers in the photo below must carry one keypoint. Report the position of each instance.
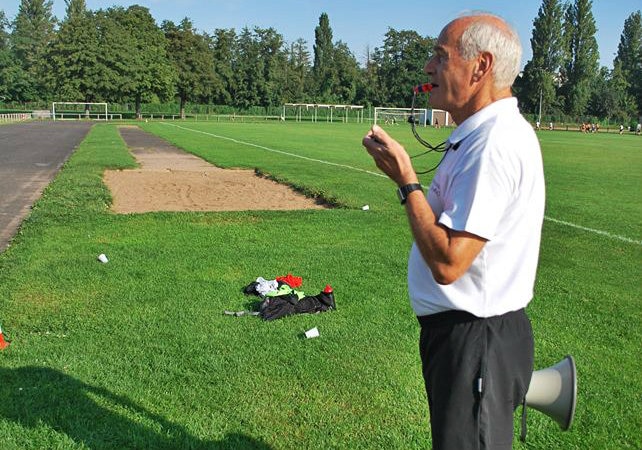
(477, 371)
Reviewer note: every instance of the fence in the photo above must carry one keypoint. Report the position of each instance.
(17, 117)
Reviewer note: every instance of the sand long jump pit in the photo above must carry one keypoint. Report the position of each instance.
(170, 179)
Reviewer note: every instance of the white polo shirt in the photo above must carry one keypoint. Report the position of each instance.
(492, 186)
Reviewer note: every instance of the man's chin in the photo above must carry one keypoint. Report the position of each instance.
(435, 103)
(433, 99)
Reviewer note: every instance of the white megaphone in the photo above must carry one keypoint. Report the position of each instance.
(553, 391)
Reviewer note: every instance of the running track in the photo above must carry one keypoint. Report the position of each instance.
(31, 154)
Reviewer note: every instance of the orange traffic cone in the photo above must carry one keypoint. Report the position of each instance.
(3, 344)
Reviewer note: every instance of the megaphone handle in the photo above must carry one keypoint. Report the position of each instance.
(522, 437)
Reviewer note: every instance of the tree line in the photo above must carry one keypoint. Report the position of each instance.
(563, 75)
(121, 55)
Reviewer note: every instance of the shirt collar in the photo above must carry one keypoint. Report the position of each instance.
(472, 122)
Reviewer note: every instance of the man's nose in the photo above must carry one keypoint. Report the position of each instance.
(429, 67)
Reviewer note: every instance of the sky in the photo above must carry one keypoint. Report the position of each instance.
(361, 24)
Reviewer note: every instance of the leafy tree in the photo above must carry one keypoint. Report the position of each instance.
(270, 47)
(368, 82)
(323, 71)
(4, 34)
(610, 98)
(190, 55)
(73, 55)
(581, 56)
(297, 76)
(248, 65)
(538, 83)
(223, 48)
(147, 73)
(33, 31)
(400, 64)
(629, 57)
(335, 68)
(260, 68)
(13, 80)
(7, 63)
(122, 55)
(347, 71)
(113, 56)
(5, 57)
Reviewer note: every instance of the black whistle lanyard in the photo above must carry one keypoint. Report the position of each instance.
(439, 148)
(444, 151)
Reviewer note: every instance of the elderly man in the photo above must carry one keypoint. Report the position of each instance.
(471, 269)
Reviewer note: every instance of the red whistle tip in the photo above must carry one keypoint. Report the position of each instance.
(426, 87)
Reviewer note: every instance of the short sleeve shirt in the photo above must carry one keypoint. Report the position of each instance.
(490, 184)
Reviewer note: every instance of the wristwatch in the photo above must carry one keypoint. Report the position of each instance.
(403, 191)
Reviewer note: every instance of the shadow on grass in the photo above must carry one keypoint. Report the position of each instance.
(39, 397)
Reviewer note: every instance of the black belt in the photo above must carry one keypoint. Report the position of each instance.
(446, 318)
(452, 317)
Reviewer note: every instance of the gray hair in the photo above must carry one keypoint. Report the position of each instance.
(502, 43)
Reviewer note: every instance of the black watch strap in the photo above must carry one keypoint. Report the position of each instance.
(403, 191)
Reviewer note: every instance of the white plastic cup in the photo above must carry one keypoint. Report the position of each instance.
(312, 333)
(102, 258)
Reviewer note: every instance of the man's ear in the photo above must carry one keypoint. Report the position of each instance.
(483, 66)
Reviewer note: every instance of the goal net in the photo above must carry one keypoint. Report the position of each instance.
(79, 111)
(396, 116)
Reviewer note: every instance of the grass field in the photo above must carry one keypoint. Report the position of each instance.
(136, 353)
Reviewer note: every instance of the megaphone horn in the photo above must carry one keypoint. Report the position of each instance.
(553, 391)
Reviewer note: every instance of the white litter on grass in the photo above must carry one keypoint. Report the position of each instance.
(312, 333)
(365, 207)
(102, 258)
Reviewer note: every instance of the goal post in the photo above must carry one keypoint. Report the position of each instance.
(422, 116)
(79, 111)
(395, 116)
(331, 112)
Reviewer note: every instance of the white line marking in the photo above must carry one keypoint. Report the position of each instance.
(561, 222)
(592, 230)
(277, 151)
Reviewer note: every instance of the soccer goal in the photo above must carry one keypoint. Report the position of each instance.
(396, 116)
(79, 111)
(316, 112)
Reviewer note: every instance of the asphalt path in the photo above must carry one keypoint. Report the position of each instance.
(31, 154)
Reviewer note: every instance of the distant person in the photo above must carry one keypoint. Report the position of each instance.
(621, 128)
(550, 126)
(477, 231)
(436, 123)
(638, 129)
(537, 124)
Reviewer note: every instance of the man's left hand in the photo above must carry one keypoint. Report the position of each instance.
(389, 156)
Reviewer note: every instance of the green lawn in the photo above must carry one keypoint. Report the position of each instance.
(137, 353)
